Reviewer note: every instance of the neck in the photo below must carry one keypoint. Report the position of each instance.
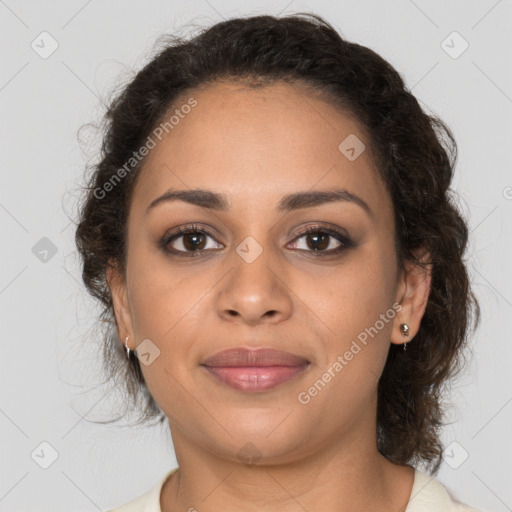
(350, 475)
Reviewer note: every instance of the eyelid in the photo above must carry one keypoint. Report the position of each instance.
(324, 227)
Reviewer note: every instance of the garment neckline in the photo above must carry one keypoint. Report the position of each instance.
(424, 487)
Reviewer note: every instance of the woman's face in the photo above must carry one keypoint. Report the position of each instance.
(248, 277)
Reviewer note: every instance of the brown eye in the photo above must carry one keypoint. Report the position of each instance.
(322, 241)
(318, 241)
(194, 240)
(189, 239)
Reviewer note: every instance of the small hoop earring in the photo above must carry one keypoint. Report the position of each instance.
(404, 329)
(127, 347)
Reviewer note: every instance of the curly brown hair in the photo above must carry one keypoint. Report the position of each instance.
(414, 152)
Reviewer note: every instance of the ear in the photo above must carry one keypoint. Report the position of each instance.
(119, 292)
(412, 294)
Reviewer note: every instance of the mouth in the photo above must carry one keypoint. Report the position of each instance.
(254, 370)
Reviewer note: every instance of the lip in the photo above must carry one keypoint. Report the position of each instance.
(254, 370)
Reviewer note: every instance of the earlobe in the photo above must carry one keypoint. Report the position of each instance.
(118, 291)
(413, 293)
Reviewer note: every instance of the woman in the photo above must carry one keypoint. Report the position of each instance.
(270, 228)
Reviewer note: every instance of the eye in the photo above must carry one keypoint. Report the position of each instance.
(192, 241)
(320, 240)
(189, 239)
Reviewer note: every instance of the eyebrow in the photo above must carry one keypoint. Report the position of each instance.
(219, 202)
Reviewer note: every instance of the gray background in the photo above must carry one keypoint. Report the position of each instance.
(49, 356)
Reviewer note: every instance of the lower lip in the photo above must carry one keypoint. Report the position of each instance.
(255, 378)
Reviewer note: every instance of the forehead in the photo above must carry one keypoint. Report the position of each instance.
(256, 145)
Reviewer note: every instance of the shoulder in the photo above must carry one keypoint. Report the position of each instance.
(430, 495)
(147, 502)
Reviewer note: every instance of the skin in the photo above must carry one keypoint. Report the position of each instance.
(256, 146)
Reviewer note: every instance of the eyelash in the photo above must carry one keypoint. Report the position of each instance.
(193, 228)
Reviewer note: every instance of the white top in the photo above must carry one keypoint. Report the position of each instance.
(427, 495)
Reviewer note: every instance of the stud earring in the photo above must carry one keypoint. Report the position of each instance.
(404, 329)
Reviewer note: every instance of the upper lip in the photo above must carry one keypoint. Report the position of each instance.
(241, 356)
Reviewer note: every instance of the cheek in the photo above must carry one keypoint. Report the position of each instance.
(170, 306)
(161, 296)
(165, 310)
(355, 294)
(356, 306)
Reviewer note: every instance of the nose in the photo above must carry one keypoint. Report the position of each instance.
(255, 293)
